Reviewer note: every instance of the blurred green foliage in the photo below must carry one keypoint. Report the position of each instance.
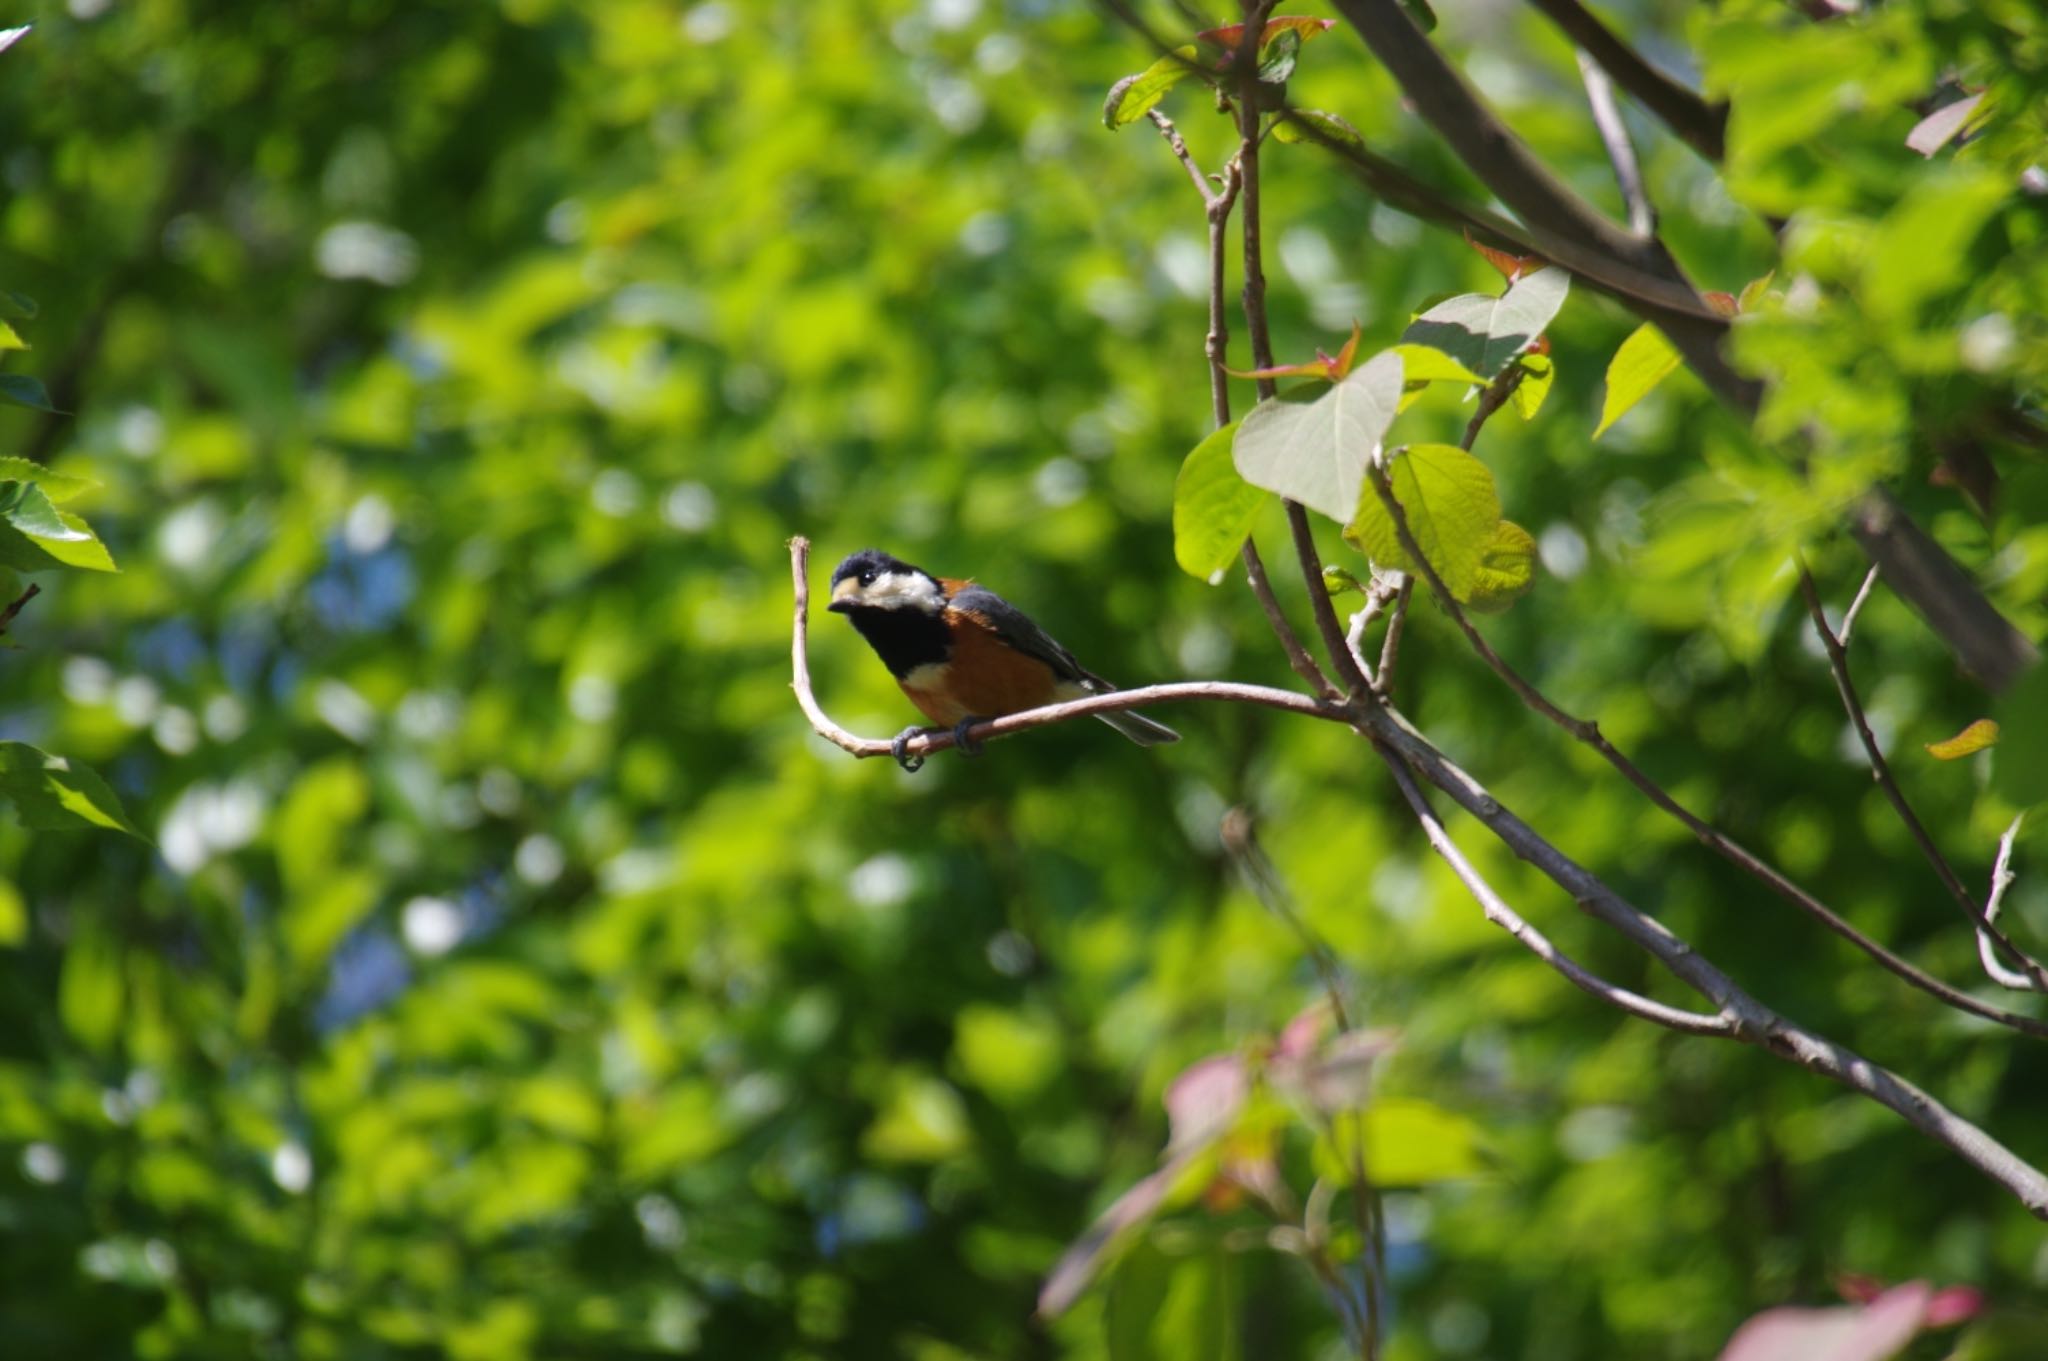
(514, 974)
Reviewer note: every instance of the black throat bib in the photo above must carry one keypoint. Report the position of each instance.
(904, 639)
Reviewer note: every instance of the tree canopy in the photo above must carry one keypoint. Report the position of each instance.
(429, 925)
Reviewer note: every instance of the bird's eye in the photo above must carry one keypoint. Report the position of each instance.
(867, 578)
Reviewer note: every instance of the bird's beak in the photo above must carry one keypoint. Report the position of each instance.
(843, 596)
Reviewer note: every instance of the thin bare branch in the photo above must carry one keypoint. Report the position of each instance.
(1500, 914)
(1240, 835)
(1181, 154)
(1228, 692)
(1706, 833)
(1700, 125)
(1880, 771)
(1621, 152)
(7, 615)
(1856, 608)
(2001, 880)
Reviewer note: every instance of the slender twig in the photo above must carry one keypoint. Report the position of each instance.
(1699, 125)
(7, 615)
(1881, 772)
(1181, 154)
(1621, 153)
(2001, 880)
(1507, 919)
(1706, 833)
(1228, 692)
(1390, 646)
(1855, 608)
(1753, 1022)
(1349, 675)
(1241, 839)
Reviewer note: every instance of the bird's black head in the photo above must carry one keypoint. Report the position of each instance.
(873, 580)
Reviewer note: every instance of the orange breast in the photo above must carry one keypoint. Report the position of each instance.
(984, 678)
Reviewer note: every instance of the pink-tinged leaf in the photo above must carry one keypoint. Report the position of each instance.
(1722, 304)
(1084, 1258)
(1973, 739)
(1305, 1032)
(1340, 1078)
(1939, 128)
(10, 36)
(1230, 35)
(1953, 1305)
(1511, 266)
(1872, 1332)
(1205, 1099)
(1331, 368)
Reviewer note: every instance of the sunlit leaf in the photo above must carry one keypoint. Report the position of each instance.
(1302, 28)
(59, 487)
(1484, 332)
(1315, 451)
(1538, 372)
(1452, 508)
(10, 339)
(1213, 508)
(1510, 265)
(1507, 569)
(1941, 127)
(1301, 125)
(1753, 292)
(1644, 360)
(1972, 739)
(1130, 98)
(1407, 1142)
(52, 794)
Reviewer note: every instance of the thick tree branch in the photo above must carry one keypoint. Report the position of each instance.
(1700, 125)
(1881, 771)
(1571, 233)
(1707, 834)
(1228, 692)
(1500, 914)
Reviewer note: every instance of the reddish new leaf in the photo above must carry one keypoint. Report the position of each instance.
(1511, 266)
(1230, 35)
(1331, 367)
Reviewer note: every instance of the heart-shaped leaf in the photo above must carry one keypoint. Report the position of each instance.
(1452, 507)
(1538, 372)
(1483, 332)
(1213, 508)
(1315, 451)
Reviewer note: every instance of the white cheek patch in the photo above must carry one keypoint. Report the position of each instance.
(903, 591)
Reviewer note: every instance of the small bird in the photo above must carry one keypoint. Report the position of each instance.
(962, 653)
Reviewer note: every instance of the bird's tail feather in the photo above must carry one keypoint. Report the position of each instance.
(1140, 729)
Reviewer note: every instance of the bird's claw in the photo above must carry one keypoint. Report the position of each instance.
(898, 749)
(967, 746)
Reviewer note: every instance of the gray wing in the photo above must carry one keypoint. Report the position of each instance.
(1016, 628)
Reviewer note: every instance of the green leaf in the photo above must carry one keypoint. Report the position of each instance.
(1538, 372)
(90, 991)
(27, 507)
(20, 306)
(1407, 1142)
(1130, 98)
(1278, 56)
(1316, 451)
(1421, 13)
(50, 794)
(1971, 740)
(10, 339)
(1644, 360)
(1428, 364)
(1484, 332)
(59, 487)
(1452, 508)
(1213, 508)
(1920, 249)
(1507, 569)
(23, 390)
(1296, 126)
